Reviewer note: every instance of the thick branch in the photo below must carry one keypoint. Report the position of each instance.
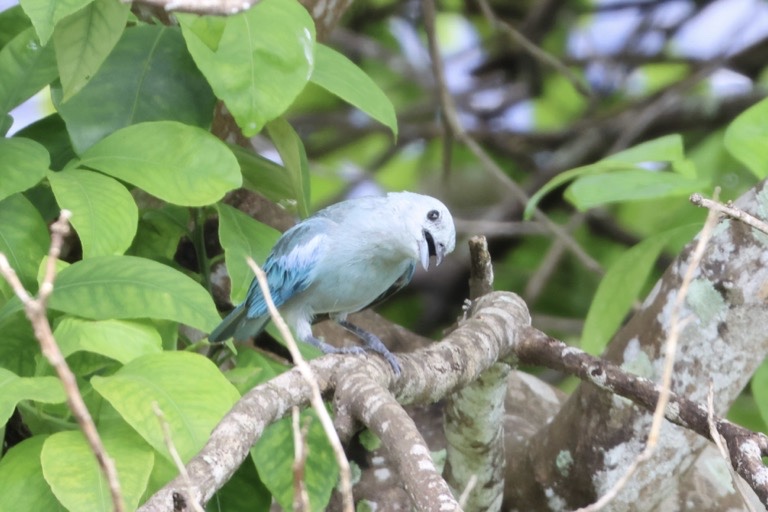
(474, 415)
(746, 447)
(376, 408)
(427, 376)
(720, 341)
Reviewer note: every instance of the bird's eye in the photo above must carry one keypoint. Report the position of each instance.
(433, 215)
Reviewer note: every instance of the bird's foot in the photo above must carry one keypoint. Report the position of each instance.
(372, 342)
(330, 349)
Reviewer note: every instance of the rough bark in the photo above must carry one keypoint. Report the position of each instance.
(601, 434)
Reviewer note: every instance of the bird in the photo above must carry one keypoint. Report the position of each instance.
(340, 260)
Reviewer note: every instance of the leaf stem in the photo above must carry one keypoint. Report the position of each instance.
(198, 239)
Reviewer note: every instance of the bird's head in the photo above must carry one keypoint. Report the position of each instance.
(431, 224)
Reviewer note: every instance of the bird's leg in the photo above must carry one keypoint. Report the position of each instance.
(330, 349)
(372, 342)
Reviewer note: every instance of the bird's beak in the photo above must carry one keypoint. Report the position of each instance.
(427, 248)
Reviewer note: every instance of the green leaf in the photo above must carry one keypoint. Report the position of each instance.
(747, 137)
(244, 492)
(342, 77)
(46, 13)
(668, 148)
(181, 164)
(51, 132)
(120, 340)
(242, 236)
(19, 348)
(84, 39)
(263, 175)
(107, 287)
(87, 488)
(188, 388)
(629, 185)
(148, 76)
(664, 149)
(621, 286)
(104, 213)
(16, 389)
(24, 240)
(159, 232)
(21, 479)
(260, 61)
(27, 68)
(24, 165)
(273, 456)
(759, 386)
(294, 157)
(12, 21)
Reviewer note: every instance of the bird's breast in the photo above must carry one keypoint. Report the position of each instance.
(346, 286)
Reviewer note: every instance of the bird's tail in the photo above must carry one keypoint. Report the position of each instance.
(226, 329)
(238, 325)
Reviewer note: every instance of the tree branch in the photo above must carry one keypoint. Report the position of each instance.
(724, 305)
(474, 415)
(427, 375)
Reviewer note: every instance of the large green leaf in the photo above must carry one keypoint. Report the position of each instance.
(120, 340)
(242, 236)
(24, 240)
(342, 77)
(244, 492)
(629, 185)
(84, 39)
(104, 213)
(12, 21)
(664, 149)
(15, 389)
(148, 76)
(178, 163)
(22, 486)
(273, 456)
(291, 149)
(107, 287)
(188, 388)
(621, 285)
(27, 67)
(24, 165)
(257, 61)
(159, 232)
(51, 132)
(46, 13)
(87, 488)
(19, 348)
(263, 175)
(747, 137)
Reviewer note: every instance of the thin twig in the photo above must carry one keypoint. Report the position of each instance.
(453, 124)
(168, 440)
(316, 398)
(739, 484)
(300, 495)
(536, 52)
(550, 263)
(730, 211)
(468, 489)
(676, 325)
(36, 313)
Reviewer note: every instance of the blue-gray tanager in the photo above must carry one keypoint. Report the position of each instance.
(342, 259)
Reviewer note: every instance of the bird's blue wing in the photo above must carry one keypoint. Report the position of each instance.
(292, 265)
